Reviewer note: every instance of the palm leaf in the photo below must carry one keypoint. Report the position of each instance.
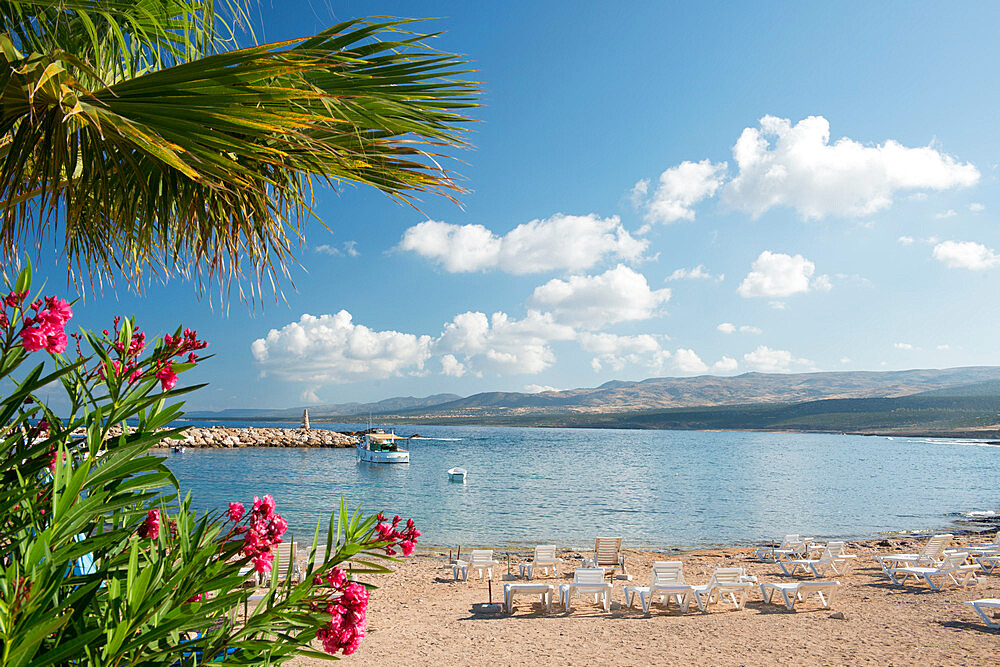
(206, 167)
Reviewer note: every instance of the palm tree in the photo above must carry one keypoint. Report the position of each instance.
(145, 144)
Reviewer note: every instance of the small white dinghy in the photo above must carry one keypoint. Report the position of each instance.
(457, 474)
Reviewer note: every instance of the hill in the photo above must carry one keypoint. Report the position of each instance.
(710, 390)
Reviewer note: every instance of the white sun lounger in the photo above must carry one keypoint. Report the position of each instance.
(587, 580)
(984, 548)
(285, 561)
(952, 568)
(769, 555)
(545, 559)
(545, 590)
(607, 554)
(725, 581)
(988, 561)
(480, 563)
(980, 607)
(931, 554)
(799, 591)
(798, 549)
(833, 556)
(667, 582)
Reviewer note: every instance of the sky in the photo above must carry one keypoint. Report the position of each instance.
(655, 189)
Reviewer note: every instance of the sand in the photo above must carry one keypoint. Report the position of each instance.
(421, 616)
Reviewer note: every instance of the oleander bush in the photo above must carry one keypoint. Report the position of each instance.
(102, 560)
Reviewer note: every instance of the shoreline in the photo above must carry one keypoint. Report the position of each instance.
(985, 526)
(985, 437)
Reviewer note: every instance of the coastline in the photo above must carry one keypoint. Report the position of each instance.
(985, 436)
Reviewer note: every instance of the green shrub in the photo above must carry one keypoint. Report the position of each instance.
(102, 561)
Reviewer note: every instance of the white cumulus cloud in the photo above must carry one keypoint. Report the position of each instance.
(725, 365)
(679, 189)
(687, 361)
(538, 388)
(593, 302)
(697, 273)
(976, 207)
(729, 327)
(558, 243)
(501, 344)
(451, 366)
(781, 164)
(965, 255)
(332, 348)
(950, 213)
(902, 346)
(766, 360)
(776, 274)
(617, 352)
(906, 240)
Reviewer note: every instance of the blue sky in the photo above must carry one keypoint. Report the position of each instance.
(653, 192)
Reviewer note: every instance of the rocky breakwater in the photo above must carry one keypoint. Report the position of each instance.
(224, 437)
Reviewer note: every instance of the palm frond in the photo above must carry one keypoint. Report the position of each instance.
(208, 166)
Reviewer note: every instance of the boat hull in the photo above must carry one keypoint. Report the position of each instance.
(368, 456)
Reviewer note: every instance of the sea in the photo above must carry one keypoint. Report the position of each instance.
(657, 489)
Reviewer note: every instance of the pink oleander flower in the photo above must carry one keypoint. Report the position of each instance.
(33, 339)
(57, 311)
(151, 525)
(236, 511)
(337, 578)
(389, 536)
(348, 620)
(263, 529)
(167, 376)
(263, 506)
(262, 562)
(46, 329)
(197, 597)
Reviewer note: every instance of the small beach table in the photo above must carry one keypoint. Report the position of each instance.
(545, 590)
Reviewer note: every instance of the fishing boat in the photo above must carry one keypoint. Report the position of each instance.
(457, 474)
(381, 447)
(177, 449)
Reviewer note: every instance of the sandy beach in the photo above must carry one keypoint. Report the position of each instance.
(421, 616)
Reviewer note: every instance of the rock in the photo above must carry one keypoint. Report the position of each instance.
(839, 615)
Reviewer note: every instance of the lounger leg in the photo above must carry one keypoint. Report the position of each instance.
(789, 601)
(607, 601)
(986, 619)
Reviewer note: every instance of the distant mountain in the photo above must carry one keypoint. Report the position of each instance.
(316, 412)
(930, 401)
(710, 390)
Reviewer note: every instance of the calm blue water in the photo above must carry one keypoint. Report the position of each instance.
(656, 488)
